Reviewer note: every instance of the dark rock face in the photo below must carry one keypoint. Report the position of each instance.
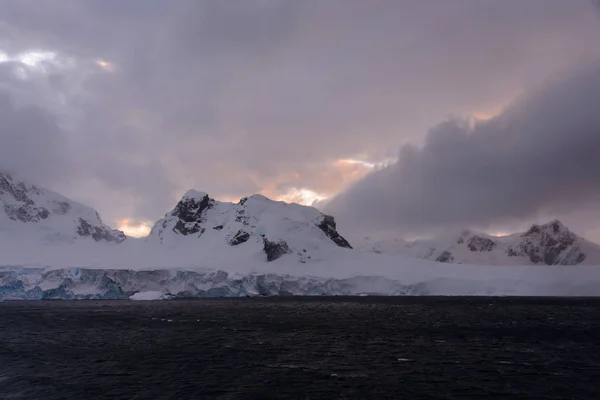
(189, 212)
(445, 257)
(16, 190)
(478, 243)
(242, 216)
(274, 250)
(26, 211)
(99, 233)
(328, 226)
(239, 238)
(551, 244)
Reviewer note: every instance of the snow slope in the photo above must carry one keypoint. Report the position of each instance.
(549, 244)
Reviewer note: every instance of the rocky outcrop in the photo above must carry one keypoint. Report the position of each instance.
(23, 208)
(189, 212)
(274, 250)
(26, 213)
(478, 243)
(328, 226)
(550, 244)
(445, 257)
(17, 190)
(239, 238)
(99, 233)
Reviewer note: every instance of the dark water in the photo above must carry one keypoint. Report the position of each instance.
(316, 348)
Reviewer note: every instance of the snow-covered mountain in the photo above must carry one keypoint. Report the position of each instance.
(52, 247)
(549, 244)
(31, 212)
(256, 226)
(197, 231)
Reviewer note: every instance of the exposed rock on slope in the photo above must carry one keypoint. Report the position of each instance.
(28, 209)
(189, 211)
(478, 243)
(328, 226)
(275, 250)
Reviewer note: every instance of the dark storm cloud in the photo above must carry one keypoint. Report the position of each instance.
(232, 96)
(540, 155)
(30, 138)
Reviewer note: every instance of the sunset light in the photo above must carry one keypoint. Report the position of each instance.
(302, 196)
(105, 65)
(134, 228)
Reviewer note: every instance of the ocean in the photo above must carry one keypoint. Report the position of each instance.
(302, 348)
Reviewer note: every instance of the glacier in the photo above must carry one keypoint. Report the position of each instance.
(31, 283)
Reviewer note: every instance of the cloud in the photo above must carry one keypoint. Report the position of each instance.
(267, 96)
(29, 139)
(40, 103)
(539, 156)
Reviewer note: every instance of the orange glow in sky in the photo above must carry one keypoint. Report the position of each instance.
(105, 65)
(132, 228)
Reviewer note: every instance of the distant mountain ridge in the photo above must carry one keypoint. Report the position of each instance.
(549, 244)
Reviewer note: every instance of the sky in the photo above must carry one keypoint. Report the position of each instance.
(404, 116)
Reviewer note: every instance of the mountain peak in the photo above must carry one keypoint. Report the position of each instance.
(552, 227)
(260, 197)
(194, 194)
(256, 224)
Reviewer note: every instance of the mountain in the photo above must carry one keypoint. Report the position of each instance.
(54, 248)
(255, 226)
(549, 244)
(198, 231)
(31, 212)
(202, 230)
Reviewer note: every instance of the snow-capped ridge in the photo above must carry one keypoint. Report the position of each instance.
(551, 243)
(194, 194)
(33, 211)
